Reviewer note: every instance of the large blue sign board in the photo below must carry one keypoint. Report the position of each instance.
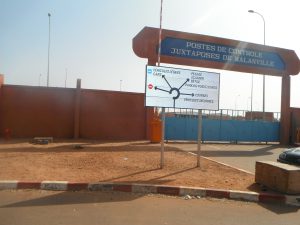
(221, 53)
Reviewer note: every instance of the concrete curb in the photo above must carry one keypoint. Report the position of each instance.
(153, 189)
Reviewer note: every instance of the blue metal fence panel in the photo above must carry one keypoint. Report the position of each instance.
(210, 129)
(175, 128)
(178, 128)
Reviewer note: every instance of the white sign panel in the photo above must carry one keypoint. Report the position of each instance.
(181, 88)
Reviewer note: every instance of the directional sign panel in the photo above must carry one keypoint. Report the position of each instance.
(181, 88)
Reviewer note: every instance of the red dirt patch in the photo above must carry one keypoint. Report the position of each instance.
(134, 162)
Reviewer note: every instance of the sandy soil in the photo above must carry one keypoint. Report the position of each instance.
(137, 162)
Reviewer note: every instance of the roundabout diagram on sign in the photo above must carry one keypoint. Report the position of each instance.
(180, 88)
(175, 92)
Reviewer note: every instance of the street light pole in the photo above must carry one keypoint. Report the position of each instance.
(66, 77)
(264, 86)
(49, 15)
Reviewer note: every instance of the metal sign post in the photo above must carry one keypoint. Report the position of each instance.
(162, 151)
(199, 137)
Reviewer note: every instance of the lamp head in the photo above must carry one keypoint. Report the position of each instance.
(251, 11)
(49, 14)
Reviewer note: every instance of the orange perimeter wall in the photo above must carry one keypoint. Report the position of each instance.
(27, 112)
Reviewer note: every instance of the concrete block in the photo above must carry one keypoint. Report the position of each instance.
(278, 176)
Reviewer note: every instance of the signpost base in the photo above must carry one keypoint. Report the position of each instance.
(199, 137)
(162, 149)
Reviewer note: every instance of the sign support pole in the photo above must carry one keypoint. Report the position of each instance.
(199, 137)
(162, 151)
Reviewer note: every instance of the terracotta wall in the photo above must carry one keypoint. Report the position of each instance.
(112, 115)
(36, 111)
(39, 111)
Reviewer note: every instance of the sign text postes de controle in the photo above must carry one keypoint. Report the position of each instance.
(181, 88)
(220, 53)
(198, 50)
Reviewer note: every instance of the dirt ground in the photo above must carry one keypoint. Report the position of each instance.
(135, 162)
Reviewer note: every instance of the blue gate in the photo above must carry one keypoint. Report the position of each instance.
(186, 128)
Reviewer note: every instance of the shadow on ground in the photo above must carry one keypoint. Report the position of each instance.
(156, 180)
(238, 153)
(279, 209)
(71, 198)
(87, 147)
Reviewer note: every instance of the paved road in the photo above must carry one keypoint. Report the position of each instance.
(46, 207)
(237, 155)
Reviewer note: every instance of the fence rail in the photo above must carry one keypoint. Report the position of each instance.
(225, 114)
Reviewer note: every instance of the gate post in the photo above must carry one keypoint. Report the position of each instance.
(285, 118)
